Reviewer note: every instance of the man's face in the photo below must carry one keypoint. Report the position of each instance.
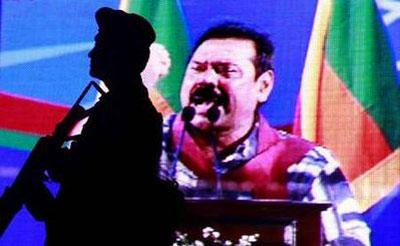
(226, 66)
(99, 58)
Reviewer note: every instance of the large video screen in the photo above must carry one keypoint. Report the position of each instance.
(44, 66)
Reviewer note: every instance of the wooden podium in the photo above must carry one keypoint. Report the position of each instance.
(233, 218)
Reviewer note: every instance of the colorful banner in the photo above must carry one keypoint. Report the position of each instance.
(350, 99)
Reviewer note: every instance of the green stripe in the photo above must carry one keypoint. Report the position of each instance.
(22, 141)
(359, 51)
(167, 19)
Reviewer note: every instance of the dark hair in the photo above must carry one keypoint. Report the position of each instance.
(233, 29)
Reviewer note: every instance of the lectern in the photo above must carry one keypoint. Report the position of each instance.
(269, 218)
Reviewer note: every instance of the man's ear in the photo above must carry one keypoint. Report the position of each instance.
(265, 84)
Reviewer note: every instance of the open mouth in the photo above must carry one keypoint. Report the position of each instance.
(206, 93)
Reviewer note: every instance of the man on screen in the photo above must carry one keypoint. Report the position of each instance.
(220, 145)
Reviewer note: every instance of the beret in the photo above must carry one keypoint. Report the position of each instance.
(123, 29)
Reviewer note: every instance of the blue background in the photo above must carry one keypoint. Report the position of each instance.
(31, 24)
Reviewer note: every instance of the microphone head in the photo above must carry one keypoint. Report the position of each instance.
(213, 114)
(188, 113)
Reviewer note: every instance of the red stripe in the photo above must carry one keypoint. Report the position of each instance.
(29, 115)
(345, 127)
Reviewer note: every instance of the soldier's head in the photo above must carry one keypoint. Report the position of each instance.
(121, 44)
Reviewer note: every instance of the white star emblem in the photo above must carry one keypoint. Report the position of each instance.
(392, 8)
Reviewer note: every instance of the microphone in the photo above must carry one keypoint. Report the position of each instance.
(217, 96)
(213, 113)
(187, 115)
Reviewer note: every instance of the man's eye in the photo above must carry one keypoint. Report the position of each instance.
(198, 68)
(232, 70)
(227, 71)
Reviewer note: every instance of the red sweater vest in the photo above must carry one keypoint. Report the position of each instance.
(264, 176)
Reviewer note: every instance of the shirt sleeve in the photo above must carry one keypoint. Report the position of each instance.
(342, 222)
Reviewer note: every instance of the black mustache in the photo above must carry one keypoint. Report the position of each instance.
(209, 93)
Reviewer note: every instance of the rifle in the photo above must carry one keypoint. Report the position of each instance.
(28, 187)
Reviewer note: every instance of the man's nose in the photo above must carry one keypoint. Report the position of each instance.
(90, 54)
(93, 51)
(211, 76)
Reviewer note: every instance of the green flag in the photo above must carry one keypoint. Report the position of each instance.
(167, 18)
(350, 99)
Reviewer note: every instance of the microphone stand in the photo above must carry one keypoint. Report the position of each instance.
(187, 115)
(217, 169)
(213, 115)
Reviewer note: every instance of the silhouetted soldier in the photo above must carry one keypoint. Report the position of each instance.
(109, 179)
(110, 192)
